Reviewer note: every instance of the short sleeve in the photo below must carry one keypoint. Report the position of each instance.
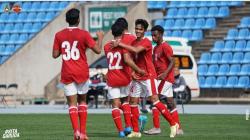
(168, 51)
(146, 44)
(56, 45)
(89, 41)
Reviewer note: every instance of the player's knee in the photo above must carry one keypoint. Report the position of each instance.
(154, 98)
(171, 104)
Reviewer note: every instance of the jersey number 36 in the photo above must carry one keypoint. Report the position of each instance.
(70, 52)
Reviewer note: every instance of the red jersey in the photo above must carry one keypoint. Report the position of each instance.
(144, 59)
(118, 71)
(72, 43)
(161, 61)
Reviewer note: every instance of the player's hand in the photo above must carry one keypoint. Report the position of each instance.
(141, 72)
(162, 76)
(134, 76)
(100, 34)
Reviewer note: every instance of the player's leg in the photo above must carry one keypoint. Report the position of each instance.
(82, 90)
(71, 95)
(156, 123)
(174, 113)
(134, 100)
(114, 95)
(150, 84)
(125, 107)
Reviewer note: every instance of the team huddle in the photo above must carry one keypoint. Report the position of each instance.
(133, 72)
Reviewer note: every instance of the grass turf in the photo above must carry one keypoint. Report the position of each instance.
(101, 127)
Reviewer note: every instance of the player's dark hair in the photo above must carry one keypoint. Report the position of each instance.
(116, 30)
(158, 28)
(72, 16)
(122, 22)
(143, 22)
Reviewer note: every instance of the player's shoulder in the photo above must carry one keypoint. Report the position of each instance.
(107, 46)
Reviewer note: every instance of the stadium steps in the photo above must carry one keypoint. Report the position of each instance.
(223, 25)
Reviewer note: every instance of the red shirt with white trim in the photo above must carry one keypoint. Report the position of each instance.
(161, 61)
(72, 43)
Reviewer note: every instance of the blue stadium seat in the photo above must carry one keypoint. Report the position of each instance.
(245, 69)
(212, 11)
(53, 6)
(1, 27)
(244, 22)
(220, 82)
(237, 58)
(212, 70)
(4, 38)
(8, 28)
(2, 49)
(193, 3)
(231, 82)
(31, 35)
(40, 17)
(232, 34)
(167, 33)
(212, 3)
(199, 23)
(197, 35)
(246, 58)
(22, 17)
(205, 58)
(229, 46)
(223, 70)
(202, 12)
(176, 33)
(210, 23)
(234, 69)
(4, 17)
(169, 23)
(26, 6)
(226, 58)
(181, 13)
(187, 34)
(49, 16)
(236, 3)
(215, 58)
(248, 46)
(210, 81)
(151, 4)
(189, 23)
(171, 13)
(44, 6)
(22, 38)
(223, 12)
(17, 47)
(243, 33)
(202, 69)
(62, 5)
(27, 27)
(31, 17)
(243, 82)
(12, 17)
(35, 6)
(36, 27)
(218, 46)
(223, 3)
(240, 45)
(179, 23)
(18, 27)
(202, 4)
(183, 3)
(13, 39)
(159, 22)
(9, 49)
(192, 12)
(4, 58)
(174, 4)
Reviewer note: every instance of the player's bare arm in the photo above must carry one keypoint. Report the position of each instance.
(137, 49)
(171, 64)
(130, 62)
(98, 46)
(56, 54)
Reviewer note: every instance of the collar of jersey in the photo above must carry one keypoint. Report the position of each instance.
(72, 27)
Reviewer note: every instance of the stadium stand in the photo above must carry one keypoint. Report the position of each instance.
(16, 29)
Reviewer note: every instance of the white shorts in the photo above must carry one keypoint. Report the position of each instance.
(118, 92)
(144, 88)
(165, 88)
(74, 88)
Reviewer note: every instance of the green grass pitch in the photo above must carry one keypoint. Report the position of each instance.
(101, 127)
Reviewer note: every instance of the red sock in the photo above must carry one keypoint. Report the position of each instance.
(116, 114)
(175, 116)
(135, 117)
(127, 114)
(164, 111)
(73, 117)
(156, 117)
(82, 112)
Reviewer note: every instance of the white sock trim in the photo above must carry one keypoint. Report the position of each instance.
(156, 102)
(72, 107)
(173, 110)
